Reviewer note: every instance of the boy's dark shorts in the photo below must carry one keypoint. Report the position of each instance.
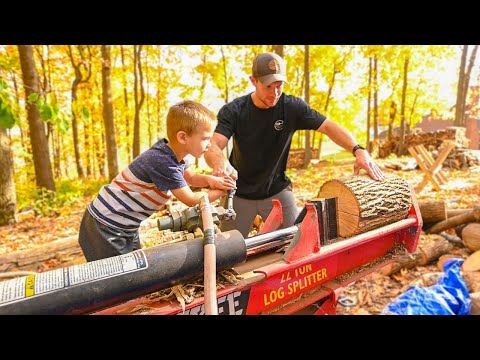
(98, 241)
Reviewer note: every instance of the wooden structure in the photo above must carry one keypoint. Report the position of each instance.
(431, 168)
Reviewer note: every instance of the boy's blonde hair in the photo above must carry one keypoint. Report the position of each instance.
(188, 116)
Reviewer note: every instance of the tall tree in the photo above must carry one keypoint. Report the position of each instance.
(375, 97)
(369, 99)
(308, 149)
(41, 157)
(8, 119)
(403, 125)
(466, 83)
(461, 88)
(80, 66)
(225, 73)
(8, 200)
(108, 113)
(278, 49)
(138, 76)
(126, 111)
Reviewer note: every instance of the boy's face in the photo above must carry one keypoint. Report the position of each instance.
(199, 141)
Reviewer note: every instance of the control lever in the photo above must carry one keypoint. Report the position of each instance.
(229, 212)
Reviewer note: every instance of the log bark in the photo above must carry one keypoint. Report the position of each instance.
(429, 249)
(454, 212)
(471, 236)
(454, 239)
(436, 211)
(364, 204)
(59, 253)
(432, 211)
(467, 217)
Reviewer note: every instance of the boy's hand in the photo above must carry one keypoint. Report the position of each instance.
(221, 182)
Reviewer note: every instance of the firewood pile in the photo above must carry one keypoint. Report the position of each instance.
(296, 157)
(459, 158)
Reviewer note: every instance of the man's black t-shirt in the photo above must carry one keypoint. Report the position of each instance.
(262, 139)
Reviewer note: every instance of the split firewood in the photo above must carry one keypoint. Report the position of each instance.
(467, 217)
(364, 204)
(429, 249)
(442, 259)
(472, 263)
(471, 236)
(472, 279)
(475, 309)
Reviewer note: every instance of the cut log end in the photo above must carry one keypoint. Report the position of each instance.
(365, 204)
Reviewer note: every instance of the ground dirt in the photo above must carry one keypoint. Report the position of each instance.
(367, 296)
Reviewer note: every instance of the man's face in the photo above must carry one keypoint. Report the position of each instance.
(268, 94)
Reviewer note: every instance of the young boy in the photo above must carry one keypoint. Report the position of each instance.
(110, 224)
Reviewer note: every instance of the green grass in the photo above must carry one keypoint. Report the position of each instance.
(46, 202)
(342, 155)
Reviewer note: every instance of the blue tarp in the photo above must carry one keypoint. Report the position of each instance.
(449, 296)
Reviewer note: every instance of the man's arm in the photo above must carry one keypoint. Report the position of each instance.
(215, 159)
(343, 138)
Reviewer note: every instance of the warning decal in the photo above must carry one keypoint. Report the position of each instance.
(32, 285)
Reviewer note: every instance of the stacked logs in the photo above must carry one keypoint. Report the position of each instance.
(460, 157)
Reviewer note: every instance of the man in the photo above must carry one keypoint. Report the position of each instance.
(263, 124)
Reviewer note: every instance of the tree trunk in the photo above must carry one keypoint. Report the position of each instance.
(429, 249)
(225, 74)
(375, 98)
(369, 111)
(79, 79)
(402, 109)
(125, 99)
(308, 149)
(364, 204)
(41, 157)
(278, 49)
(471, 236)
(466, 83)
(467, 217)
(8, 200)
(138, 78)
(460, 88)
(108, 113)
(65, 251)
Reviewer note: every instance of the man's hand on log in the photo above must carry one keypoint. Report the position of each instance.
(365, 161)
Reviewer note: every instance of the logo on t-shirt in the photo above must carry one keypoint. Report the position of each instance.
(278, 125)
